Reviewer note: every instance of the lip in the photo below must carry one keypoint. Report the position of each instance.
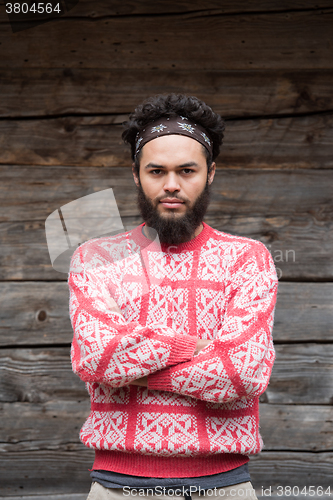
(171, 202)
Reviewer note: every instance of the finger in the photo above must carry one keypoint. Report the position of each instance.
(112, 304)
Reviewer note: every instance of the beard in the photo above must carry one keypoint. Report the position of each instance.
(173, 228)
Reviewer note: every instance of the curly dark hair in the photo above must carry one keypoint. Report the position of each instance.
(174, 105)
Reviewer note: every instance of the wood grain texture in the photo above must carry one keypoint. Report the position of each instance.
(58, 470)
(36, 313)
(296, 428)
(103, 8)
(279, 143)
(289, 211)
(291, 468)
(56, 424)
(41, 92)
(302, 375)
(38, 375)
(249, 41)
(47, 472)
(304, 312)
(24, 253)
(300, 246)
(41, 441)
(101, 60)
(29, 194)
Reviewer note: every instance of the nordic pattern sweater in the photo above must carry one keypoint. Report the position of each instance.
(199, 414)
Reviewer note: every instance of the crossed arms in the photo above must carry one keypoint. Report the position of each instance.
(236, 364)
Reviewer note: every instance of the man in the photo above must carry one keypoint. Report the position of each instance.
(173, 338)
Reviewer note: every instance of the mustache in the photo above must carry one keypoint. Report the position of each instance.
(159, 198)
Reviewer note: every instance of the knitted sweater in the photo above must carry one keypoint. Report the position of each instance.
(199, 414)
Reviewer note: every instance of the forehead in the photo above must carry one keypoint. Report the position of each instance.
(173, 149)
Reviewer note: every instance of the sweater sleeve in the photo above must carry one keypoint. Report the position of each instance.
(108, 349)
(238, 362)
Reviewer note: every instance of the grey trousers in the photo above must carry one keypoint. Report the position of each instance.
(241, 491)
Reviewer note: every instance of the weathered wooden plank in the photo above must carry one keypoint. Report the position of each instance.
(302, 374)
(49, 425)
(41, 92)
(59, 472)
(102, 8)
(40, 439)
(291, 469)
(315, 432)
(279, 143)
(56, 424)
(290, 211)
(46, 471)
(37, 313)
(99, 138)
(34, 313)
(304, 312)
(38, 375)
(24, 254)
(300, 246)
(30, 194)
(252, 41)
(295, 428)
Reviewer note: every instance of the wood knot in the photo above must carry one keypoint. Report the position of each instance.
(41, 316)
(69, 127)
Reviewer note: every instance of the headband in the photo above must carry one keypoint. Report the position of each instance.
(172, 125)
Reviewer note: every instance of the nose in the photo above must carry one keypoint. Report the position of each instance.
(171, 182)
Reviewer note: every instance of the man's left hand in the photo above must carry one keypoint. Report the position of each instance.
(142, 382)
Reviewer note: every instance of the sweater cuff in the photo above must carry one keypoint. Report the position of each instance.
(183, 349)
(160, 381)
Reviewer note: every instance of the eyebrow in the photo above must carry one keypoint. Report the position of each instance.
(184, 165)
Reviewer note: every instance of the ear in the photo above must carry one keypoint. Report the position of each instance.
(136, 178)
(211, 172)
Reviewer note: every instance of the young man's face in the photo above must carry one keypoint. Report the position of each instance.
(173, 188)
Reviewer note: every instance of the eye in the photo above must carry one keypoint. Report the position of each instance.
(156, 171)
(187, 171)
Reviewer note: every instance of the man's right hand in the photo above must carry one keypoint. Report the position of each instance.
(201, 344)
(112, 304)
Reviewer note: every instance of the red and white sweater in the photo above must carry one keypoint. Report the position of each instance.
(199, 414)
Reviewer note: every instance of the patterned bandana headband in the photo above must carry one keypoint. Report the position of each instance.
(173, 125)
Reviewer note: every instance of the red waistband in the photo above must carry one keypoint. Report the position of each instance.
(157, 466)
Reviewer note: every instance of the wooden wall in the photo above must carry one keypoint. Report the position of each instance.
(65, 88)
